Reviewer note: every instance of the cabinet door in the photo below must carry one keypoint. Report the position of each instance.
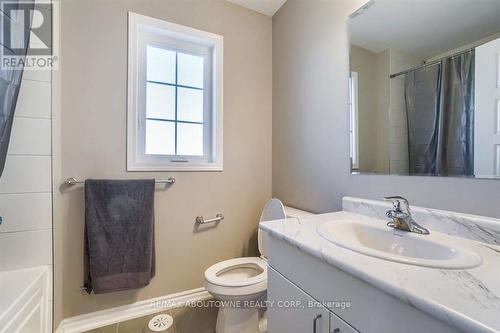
(290, 310)
(337, 325)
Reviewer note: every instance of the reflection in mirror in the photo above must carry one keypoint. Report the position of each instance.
(425, 88)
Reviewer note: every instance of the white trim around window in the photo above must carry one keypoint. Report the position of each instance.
(353, 115)
(146, 32)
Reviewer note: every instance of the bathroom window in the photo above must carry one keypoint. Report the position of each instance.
(353, 119)
(174, 97)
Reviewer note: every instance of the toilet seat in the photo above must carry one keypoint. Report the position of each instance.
(248, 275)
(238, 272)
(241, 283)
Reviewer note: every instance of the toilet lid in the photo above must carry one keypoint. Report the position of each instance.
(273, 210)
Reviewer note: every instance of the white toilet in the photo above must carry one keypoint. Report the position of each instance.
(236, 281)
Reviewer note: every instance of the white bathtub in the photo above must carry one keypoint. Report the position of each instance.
(25, 300)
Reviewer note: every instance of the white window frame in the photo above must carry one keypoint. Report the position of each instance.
(144, 31)
(353, 120)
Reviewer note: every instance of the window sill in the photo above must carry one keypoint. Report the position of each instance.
(212, 167)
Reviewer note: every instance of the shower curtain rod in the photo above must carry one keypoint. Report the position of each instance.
(431, 63)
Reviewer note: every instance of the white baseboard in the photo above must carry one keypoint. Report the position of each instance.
(106, 317)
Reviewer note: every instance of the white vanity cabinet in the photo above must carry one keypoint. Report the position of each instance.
(291, 310)
(296, 276)
(337, 325)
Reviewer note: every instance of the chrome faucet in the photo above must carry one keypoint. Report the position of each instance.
(401, 216)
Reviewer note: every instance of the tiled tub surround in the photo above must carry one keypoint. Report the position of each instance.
(466, 300)
(25, 185)
(26, 210)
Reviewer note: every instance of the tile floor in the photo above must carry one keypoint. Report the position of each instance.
(186, 320)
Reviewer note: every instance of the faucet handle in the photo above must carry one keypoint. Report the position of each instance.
(397, 200)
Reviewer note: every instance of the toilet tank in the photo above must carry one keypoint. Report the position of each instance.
(294, 212)
(275, 210)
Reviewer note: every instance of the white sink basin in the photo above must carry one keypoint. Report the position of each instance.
(435, 250)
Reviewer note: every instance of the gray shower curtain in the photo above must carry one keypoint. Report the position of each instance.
(440, 113)
(10, 79)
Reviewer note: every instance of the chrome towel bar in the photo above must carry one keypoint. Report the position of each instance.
(219, 217)
(72, 181)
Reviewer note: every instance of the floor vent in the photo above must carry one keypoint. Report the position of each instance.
(161, 322)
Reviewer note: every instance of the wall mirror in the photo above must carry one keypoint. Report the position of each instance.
(425, 88)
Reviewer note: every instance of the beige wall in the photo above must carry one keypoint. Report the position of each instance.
(382, 132)
(310, 122)
(364, 62)
(309, 84)
(373, 108)
(93, 109)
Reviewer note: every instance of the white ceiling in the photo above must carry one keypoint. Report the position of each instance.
(424, 28)
(266, 7)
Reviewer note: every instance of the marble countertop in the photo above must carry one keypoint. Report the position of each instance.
(468, 300)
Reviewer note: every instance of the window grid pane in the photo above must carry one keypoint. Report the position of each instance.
(160, 63)
(196, 120)
(159, 140)
(160, 101)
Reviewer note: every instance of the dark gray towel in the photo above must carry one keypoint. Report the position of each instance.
(119, 234)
